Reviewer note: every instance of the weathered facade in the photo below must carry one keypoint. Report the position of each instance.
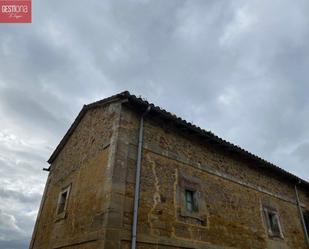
(196, 190)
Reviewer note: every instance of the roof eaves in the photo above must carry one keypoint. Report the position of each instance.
(209, 135)
(139, 102)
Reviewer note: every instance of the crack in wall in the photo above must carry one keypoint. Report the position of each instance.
(156, 195)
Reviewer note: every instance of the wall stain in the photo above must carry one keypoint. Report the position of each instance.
(156, 196)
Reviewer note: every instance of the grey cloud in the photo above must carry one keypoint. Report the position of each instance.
(19, 244)
(237, 68)
(25, 109)
(302, 152)
(11, 236)
(22, 197)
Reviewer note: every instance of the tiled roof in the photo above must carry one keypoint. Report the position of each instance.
(156, 110)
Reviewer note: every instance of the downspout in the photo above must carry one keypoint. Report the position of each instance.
(138, 178)
(301, 213)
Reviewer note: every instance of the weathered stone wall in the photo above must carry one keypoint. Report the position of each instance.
(99, 162)
(85, 162)
(232, 192)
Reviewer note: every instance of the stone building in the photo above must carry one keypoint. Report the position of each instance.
(195, 190)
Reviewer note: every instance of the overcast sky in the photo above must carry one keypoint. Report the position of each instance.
(238, 68)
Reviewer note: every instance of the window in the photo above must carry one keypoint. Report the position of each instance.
(272, 221)
(63, 202)
(191, 203)
(306, 218)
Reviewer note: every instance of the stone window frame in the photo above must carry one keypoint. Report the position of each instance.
(273, 211)
(63, 213)
(193, 184)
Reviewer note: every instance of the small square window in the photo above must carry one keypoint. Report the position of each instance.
(273, 224)
(190, 199)
(63, 202)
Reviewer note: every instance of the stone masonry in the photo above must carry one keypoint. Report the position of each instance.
(96, 162)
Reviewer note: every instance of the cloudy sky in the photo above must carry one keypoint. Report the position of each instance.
(236, 67)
